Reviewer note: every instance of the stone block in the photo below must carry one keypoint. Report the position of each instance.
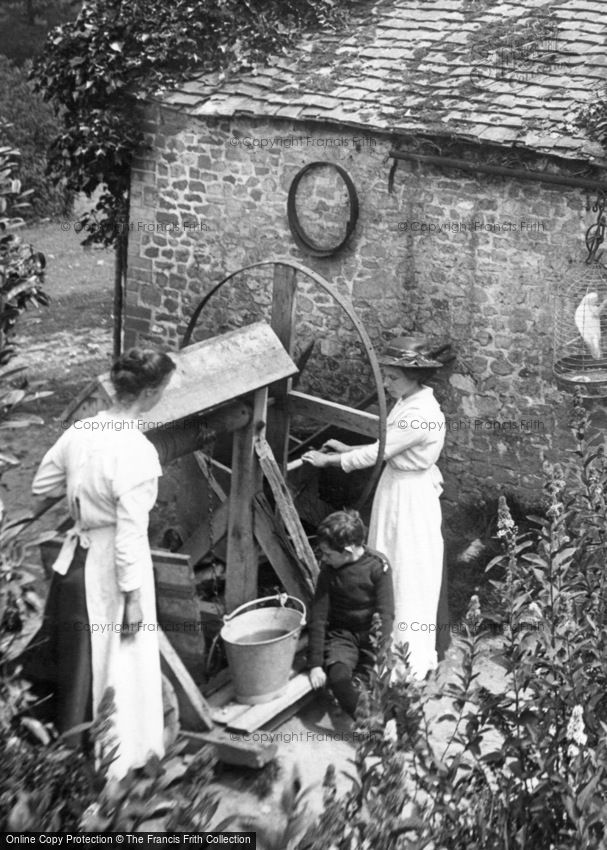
(150, 295)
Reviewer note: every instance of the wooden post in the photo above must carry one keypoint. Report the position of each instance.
(283, 324)
(241, 567)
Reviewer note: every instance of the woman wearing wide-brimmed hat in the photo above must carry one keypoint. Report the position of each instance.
(406, 516)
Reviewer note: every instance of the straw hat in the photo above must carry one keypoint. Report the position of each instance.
(411, 352)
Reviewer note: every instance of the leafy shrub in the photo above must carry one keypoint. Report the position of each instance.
(32, 126)
(46, 786)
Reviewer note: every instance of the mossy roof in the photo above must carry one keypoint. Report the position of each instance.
(510, 73)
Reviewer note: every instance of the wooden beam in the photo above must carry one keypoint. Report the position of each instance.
(283, 324)
(194, 712)
(199, 543)
(242, 567)
(317, 438)
(338, 415)
(205, 465)
(184, 436)
(279, 552)
(258, 715)
(89, 401)
(287, 510)
(230, 748)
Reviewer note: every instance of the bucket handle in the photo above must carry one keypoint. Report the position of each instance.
(280, 597)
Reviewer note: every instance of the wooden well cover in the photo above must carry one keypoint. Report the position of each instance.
(208, 374)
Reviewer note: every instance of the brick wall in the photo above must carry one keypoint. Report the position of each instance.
(207, 198)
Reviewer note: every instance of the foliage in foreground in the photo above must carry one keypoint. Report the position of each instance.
(21, 285)
(93, 67)
(21, 268)
(526, 763)
(46, 786)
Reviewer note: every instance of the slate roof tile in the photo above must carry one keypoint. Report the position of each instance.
(434, 66)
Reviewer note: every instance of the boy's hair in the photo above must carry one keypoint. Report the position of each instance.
(341, 529)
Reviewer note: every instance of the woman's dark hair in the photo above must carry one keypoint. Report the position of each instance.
(419, 375)
(341, 529)
(137, 370)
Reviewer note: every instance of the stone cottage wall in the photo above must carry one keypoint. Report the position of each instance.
(470, 258)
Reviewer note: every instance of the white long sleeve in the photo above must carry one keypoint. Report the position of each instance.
(132, 519)
(414, 437)
(51, 478)
(397, 441)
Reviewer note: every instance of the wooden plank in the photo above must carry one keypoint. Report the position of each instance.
(199, 543)
(257, 715)
(287, 713)
(325, 432)
(220, 369)
(242, 566)
(283, 323)
(178, 610)
(225, 714)
(224, 694)
(172, 567)
(207, 469)
(230, 749)
(284, 503)
(280, 553)
(89, 401)
(216, 683)
(194, 712)
(338, 415)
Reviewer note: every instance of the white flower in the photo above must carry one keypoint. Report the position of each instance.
(534, 610)
(575, 727)
(390, 733)
(473, 614)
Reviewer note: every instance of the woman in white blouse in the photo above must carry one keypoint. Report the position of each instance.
(100, 627)
(406, 515)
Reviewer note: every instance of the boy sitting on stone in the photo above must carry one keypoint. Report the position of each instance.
(355, 583)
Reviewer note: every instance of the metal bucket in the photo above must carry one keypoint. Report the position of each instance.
(260, 646)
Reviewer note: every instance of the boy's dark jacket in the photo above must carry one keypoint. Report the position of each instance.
(347, 597)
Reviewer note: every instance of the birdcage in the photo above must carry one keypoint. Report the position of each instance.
(580, 331)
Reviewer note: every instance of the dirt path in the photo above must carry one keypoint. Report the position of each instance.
(63, 346)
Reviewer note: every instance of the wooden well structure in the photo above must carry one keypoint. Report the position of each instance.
(238, 383)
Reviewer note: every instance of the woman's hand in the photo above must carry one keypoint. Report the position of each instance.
(319, 459)
(133, 616)
(318, 678)
(335, 446)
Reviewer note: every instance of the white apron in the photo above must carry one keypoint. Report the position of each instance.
(406, 523)
(111, 483)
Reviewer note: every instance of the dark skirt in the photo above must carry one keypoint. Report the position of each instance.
(57, 660)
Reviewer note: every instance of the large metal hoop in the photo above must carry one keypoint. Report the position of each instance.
(348, 308)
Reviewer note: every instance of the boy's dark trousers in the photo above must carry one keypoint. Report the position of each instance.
(348, 654)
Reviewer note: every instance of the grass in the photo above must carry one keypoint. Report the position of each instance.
(23, 38)
(63, 346)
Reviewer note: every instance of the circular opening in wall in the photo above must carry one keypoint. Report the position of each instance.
(322, 208)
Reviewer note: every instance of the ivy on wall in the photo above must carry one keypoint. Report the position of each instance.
(93, 66)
